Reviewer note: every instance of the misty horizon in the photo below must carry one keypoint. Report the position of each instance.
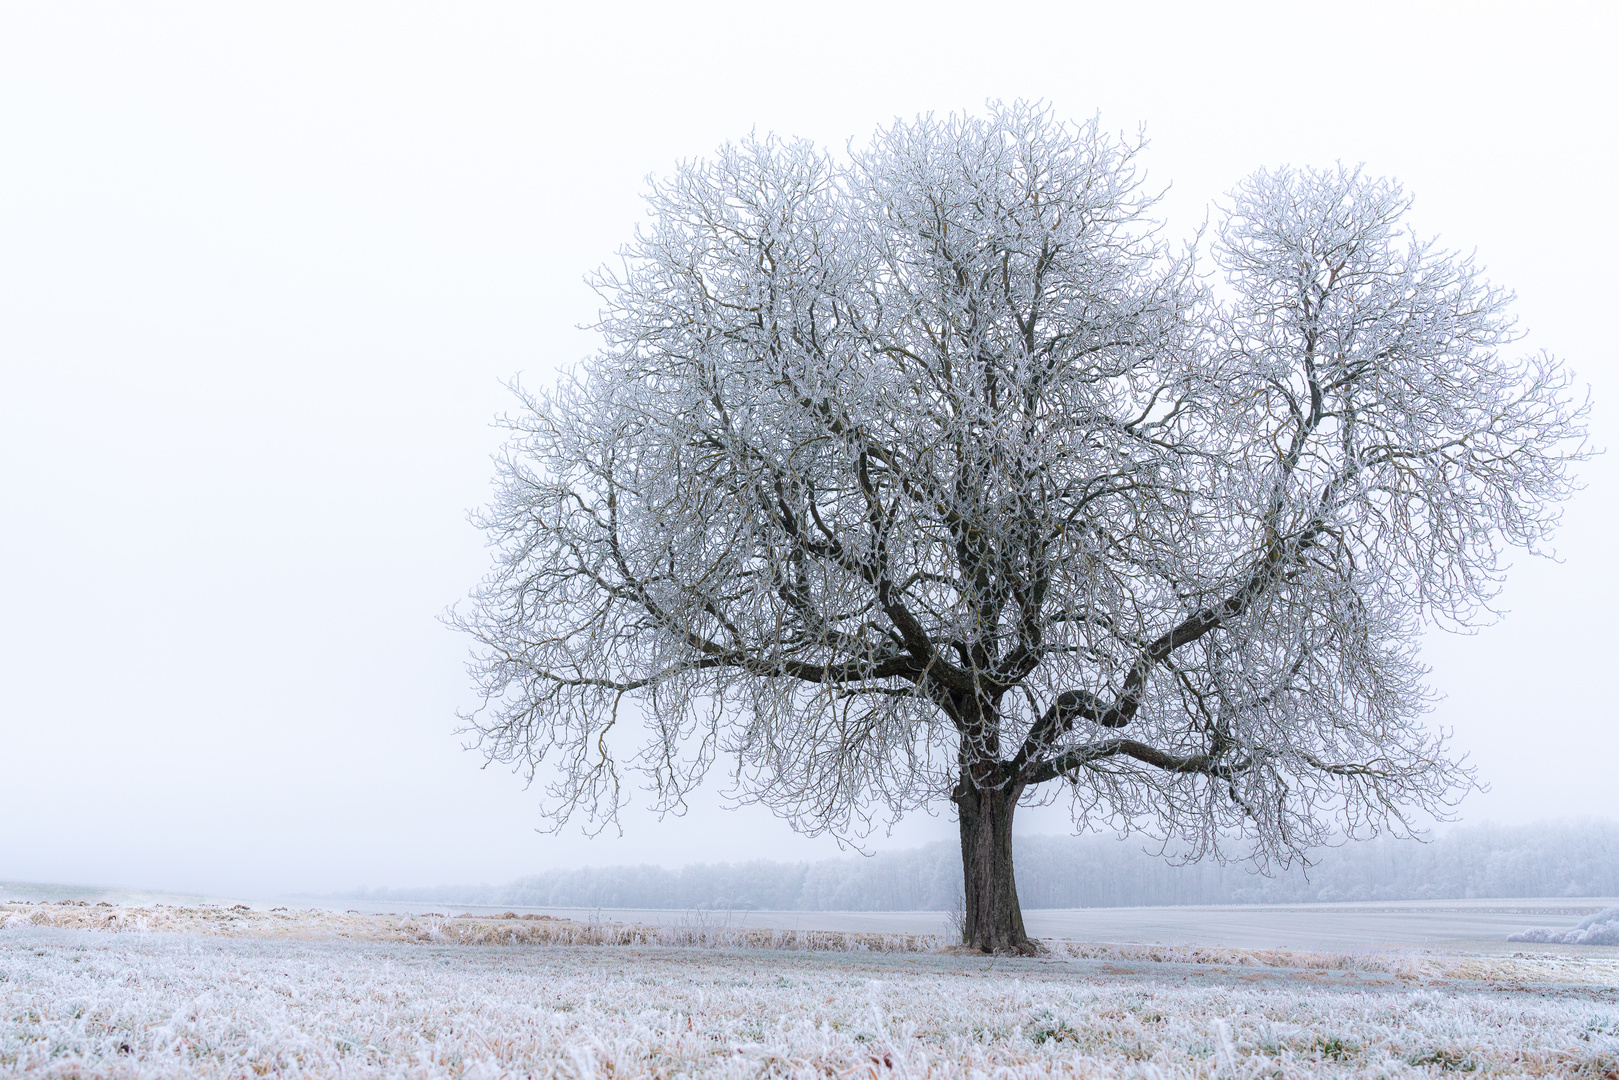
(1554, 858)
(1551, 858)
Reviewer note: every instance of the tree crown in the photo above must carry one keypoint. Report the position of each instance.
(934, 469)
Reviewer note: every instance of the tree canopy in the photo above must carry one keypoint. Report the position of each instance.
(933, 472)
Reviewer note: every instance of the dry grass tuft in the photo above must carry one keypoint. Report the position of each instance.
(540, 930)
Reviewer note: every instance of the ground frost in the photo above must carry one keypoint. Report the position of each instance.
(81, 1004)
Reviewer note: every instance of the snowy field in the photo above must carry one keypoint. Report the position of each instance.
(246, 994)
(1455, 925)
(1450, 925)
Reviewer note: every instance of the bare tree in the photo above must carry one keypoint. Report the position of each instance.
(934, 473)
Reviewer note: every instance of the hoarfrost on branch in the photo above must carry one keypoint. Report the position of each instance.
(936, 473)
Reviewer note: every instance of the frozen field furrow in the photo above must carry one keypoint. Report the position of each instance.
(84, 1003)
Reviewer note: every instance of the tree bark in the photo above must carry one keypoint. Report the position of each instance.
(994, 922)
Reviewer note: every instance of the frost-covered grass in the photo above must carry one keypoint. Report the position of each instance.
(1586, 965)
(443, 929)
(81, 1003)
(1599, 929)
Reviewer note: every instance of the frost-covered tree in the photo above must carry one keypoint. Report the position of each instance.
(932, 473)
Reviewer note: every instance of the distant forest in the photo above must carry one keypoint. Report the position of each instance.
(1568, 858)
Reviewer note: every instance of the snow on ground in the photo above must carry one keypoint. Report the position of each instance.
(313, 995)
(241, 920)
(1452, 925)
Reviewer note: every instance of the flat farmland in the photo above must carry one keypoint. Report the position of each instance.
(86, 1003)
(1453, 925)
(101, 990)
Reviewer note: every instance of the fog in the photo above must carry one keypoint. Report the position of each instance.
(263, 271)
(1545, 859)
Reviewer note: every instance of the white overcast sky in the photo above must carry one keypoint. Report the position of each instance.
(263, 267)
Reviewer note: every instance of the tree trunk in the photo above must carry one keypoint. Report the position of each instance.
(994, 922)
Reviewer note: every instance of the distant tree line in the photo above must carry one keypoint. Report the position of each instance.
(1573, 858)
